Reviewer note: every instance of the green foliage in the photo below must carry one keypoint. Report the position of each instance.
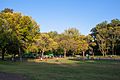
(16, 31)
(44, 43)
(107, 37)
(7, 10)
(30, 55)
(20, 33)
(71, 40)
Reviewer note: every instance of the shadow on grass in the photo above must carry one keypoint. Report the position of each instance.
(106, 61)
(12, 76)
(73, 70)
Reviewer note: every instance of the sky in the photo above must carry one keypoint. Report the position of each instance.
(59, 15)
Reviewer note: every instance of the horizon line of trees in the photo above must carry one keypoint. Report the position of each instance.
(20, 34)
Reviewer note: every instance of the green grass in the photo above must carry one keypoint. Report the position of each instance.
(64, 69)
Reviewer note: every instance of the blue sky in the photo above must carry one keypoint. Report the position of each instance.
(59, 15)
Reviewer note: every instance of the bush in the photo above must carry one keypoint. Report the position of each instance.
(30, 55)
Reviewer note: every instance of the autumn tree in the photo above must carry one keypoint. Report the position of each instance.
(72, 40)
(45, 43)
(19, 30)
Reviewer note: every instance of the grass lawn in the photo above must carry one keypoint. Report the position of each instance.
(64, 69)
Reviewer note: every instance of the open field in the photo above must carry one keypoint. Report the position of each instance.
(64, 69)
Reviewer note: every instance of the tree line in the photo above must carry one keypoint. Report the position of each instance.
(20, 34)
(107, 37)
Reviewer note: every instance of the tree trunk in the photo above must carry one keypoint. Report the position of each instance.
(112, 52)
(103, 54)
(3, 52)
(64, 53)
(20, 54)
(93, 53)
(73, 54)
(13, 57)
(42, 53)
(83, 55)
(113, 45)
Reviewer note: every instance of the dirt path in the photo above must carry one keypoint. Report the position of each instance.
(11, 76)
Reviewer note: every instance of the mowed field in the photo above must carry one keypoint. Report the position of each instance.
(64, 69)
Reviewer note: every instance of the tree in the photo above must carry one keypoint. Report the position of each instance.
(53, 34)
(83, 45)
(91, 44)
(4, 32)
(7, 10)
(100, 34)
(114, 28)
(106, 35)
(72, 33)
(63, 43)
(45, 43)
(19, 30)
(71, 40)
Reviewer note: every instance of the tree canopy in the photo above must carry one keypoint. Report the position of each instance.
(16, 31)
(107, 36)
(20, 34)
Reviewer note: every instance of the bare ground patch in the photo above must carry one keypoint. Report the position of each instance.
(11, 76)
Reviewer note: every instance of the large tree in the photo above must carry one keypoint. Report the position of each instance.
(106, 35)
(19, 30)
(71, 40)
(4, 36)
(45, 43)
